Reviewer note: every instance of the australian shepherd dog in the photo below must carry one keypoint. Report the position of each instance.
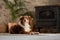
(23, 26)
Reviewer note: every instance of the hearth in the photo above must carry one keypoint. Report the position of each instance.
(47, 19)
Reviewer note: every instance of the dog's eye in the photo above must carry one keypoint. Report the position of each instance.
(24, 20)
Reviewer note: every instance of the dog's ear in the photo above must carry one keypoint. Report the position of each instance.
(30, 18)
(21, 16)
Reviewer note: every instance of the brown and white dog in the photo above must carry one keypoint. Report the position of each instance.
(26, 23)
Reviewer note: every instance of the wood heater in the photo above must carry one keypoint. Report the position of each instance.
(47, 19)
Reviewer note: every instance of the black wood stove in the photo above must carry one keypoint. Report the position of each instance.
(47, 19)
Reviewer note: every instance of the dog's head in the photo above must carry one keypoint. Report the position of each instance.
(26, 19)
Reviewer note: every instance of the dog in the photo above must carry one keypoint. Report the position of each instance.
(26, 23)
(23, 26)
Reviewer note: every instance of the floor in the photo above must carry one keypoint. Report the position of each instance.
(29, 37)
